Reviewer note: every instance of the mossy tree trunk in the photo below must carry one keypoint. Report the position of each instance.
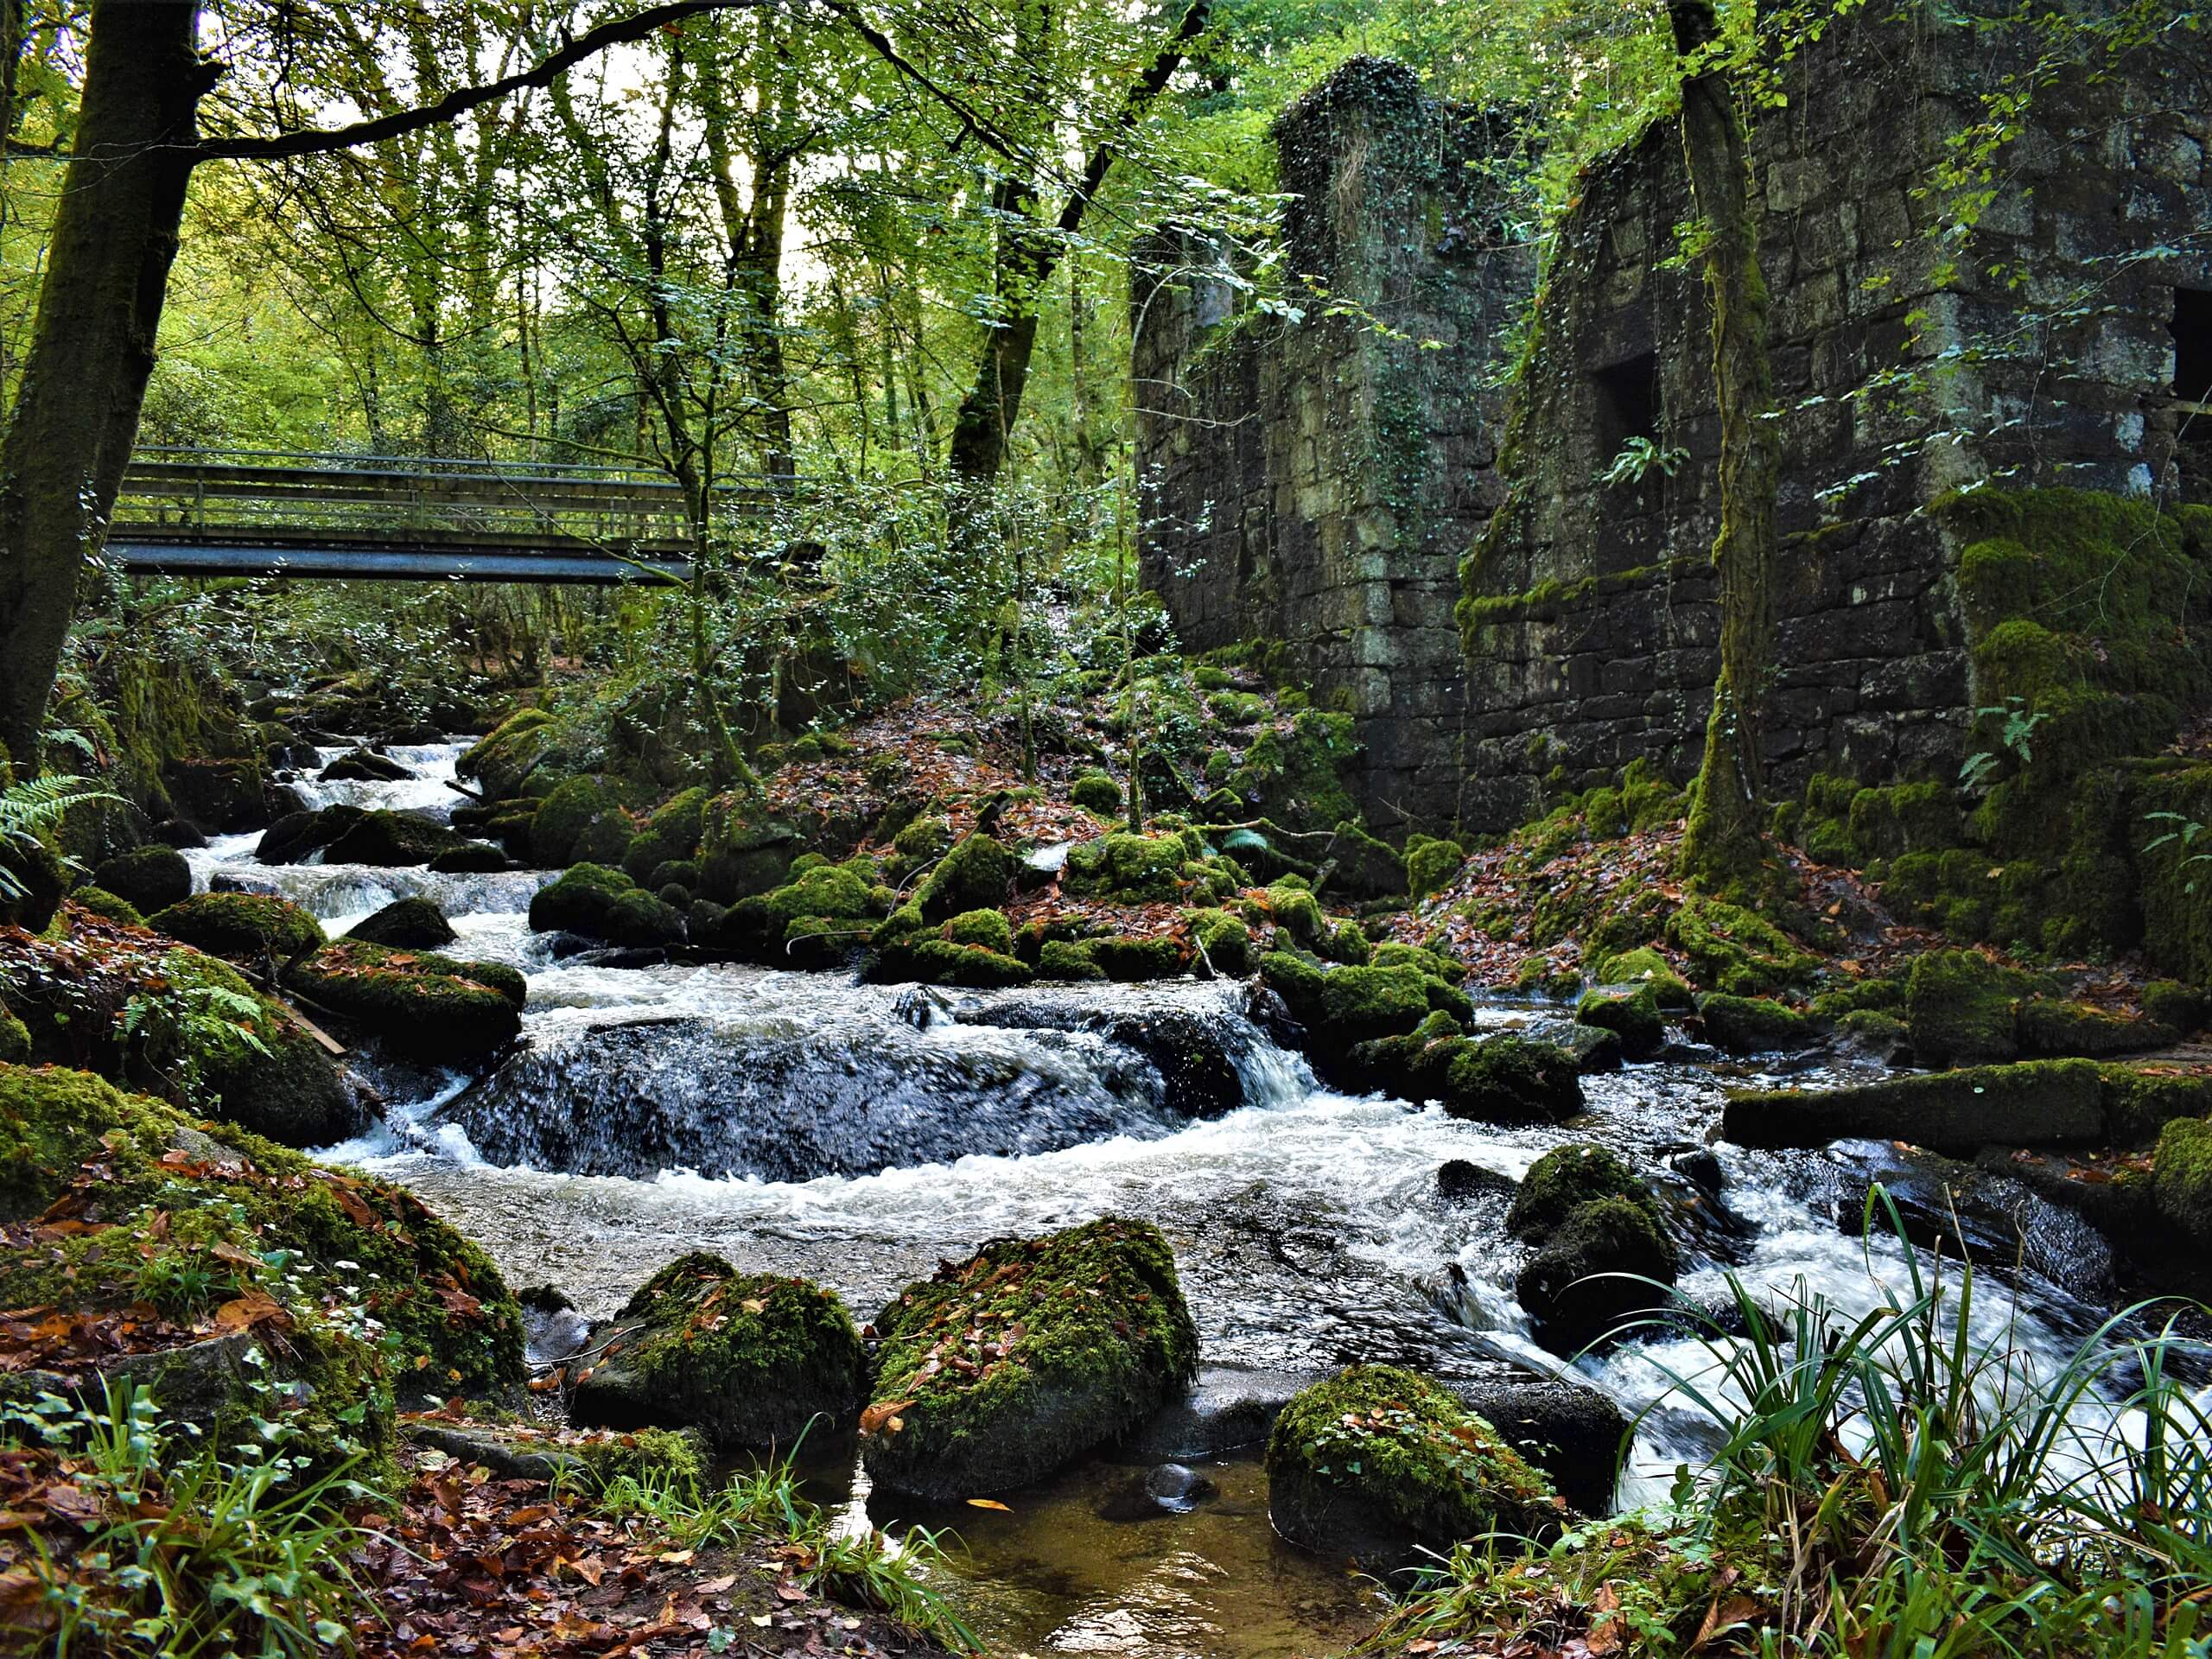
(1725, 838)
(84, 381)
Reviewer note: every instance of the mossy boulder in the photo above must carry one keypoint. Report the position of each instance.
(988, 929)
(364, 767)
(503, 760)
(739, 855)
(1506, 1080)
(933, 959)
(2181, 1180)
(561, 818)
(37, 880)
(1294, 910)
(748, 1360)
(1755, 1025)
(1135, 960)
(425, 1007)
(2179, 1007)
(1034, 1351)
(1382, 1466)
(1298, 776)
(248, 925)
(1566, 1178)
(101, 902)
(1735, 950)
(405, 924)
(1608, 1263)
(2033, 1102)
(390, 841)
(1096, 792)
(471, 858)
(1127, 868)
(1224, 940)
(1431, 864)
(1068, 959)
(449, 1317)
(974, 875)
(149, 878)
(1645, 966)
(1629, 1012)
(291, 838)
(671, 834)
(604, 904)
(2050, 1027)
(1340, 1007)
(14, 1040)
(1365, 868)
(1958, 1009)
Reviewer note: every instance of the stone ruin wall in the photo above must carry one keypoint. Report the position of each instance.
(2044, 354)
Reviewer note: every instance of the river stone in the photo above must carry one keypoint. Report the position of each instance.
(364, 767)
(1225, 1409)
(748, 1360)
(292, 837)
(1147, 1495)
(405, 924)
(390, 841)
(1008, 1366)
(1382, 1466)
(1610, 1262)
(1574, 1433)
(2033, 1104)
(151, 878)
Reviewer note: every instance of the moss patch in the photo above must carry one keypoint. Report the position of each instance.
(243, 925)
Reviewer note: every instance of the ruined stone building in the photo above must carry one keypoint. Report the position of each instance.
(1320, 481)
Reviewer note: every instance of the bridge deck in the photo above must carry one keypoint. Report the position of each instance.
(381, 518)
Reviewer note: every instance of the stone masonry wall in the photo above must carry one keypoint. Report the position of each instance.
(1315, 480)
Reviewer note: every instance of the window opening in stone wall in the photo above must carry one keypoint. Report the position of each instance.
(2193, 344)
(1628, 404)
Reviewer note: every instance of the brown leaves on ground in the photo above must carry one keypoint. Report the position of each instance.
(465, 1563)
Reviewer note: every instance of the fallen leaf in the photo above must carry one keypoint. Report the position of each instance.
(990, 1503)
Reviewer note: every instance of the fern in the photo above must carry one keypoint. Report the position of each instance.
(37, 804)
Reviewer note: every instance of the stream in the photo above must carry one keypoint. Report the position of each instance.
(856, 1134)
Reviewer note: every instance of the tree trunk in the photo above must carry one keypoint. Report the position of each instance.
(84, 382)
(1725, 836)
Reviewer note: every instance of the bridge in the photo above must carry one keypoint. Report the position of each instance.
(382, 518)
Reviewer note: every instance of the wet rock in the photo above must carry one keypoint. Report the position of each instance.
(175, 832)
(364, 767)
(1378, 1465)
(1574, 1434)
(553, 1329)
(1226, 1409)
(604, 904)
(151, 878)
(390, 841)
(1753, 1024)
(292, 837)
(1970, 1211)
(1170, 1489)
(426, 1008)
(247, 926)
(1194, 1050)
(1459, 1182)
(1631, 1013)
(1592, 1048)
(748, 1360)
(472, 858)
(405, 924)
(226, 797)
(1009, 1366)
(1608, 1264)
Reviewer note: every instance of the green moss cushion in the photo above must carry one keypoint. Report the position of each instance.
(973, 875)
(405, 924)
(1034, 1351)
(1958, 1009)
(151, 878)
(748, 1360)
(1379, 1464)
(424, 1007)
(1566, 1178)
(448, 1314)
(247, 924)
(1608, 1263)
(1632, 1015)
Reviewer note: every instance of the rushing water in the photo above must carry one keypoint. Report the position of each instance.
(858, 1134)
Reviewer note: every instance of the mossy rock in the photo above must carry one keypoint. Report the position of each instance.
(2050, 1027)
(1293, 907)
(1366, 869)
(2181, 1180)
(1225, 941)
(505, 758)
(925, 839)
(364, 767)
(974, 875)
(1645, 966)
(561, 818)
(243, 925)
(1734, 950)
(101, 902)
(1383, 1467)
(1299, 776)
(1065, 1343)
(1566, 1178)
(604, 904)
(405, 924)
(1960, 1008)
(1072, 959)
(437, 1295)
(750, 1361)
(1127, 868)
(1503, 1079)
(1340, 1007)
(2180, 1008)
(422, 1007)
(672, 833)
(605, 839)
(390, 841)
(2033, 1102)
(836, 892)
(1755, 1025)
(1094, 792)
(988, 929)
(1134, 961)
(1431, 864)
(1608, 1263)
(14, 1040)
(149, 878)
(934, 960)
(1632, 1014)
